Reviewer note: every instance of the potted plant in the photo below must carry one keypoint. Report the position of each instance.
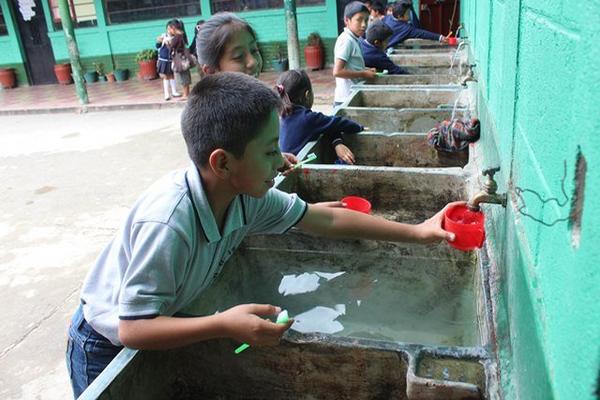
(146, 59)
(313, 52)
(99, 67)
(63, 73)
(121, 74)
(90, 76)
(280, 63)
(8, 79)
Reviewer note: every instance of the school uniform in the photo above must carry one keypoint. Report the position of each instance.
(403, 30)
(376, 58)
(304, 125)
(167, 252)
(163, 65)
(347, 48)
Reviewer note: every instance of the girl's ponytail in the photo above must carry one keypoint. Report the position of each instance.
(292, 86)
(287, 105)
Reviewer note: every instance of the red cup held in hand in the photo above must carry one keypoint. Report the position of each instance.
(357, 204)
(467, 226)
(452, 41)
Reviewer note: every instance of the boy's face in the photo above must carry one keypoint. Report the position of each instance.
(358, 23)
(241, 55)
(254, 173)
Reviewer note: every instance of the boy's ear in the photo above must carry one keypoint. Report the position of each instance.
(218, 162)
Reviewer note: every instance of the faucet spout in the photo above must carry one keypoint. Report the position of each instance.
(488, 194)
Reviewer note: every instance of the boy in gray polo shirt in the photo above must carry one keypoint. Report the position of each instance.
(349, 66)
(181, 231)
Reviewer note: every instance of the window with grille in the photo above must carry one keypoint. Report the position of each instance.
(249, 5)
(83, 13)
(121, 11)
(3, 30)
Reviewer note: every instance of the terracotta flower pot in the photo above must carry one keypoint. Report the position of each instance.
(8, 79)
(147, 69)
(63, 73)
(314, 57)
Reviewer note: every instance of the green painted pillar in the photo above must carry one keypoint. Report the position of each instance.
(67, 25)
(292, 34)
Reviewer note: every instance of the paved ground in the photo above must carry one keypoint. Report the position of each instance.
(66, 182)
(131, 94)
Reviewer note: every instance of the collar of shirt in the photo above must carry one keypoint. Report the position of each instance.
(234, 219)
(352, 35)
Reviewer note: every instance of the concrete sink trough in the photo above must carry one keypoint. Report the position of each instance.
(428, 79)
(405, 97)
(372, 319)
(387, 119)
(416, 44)
(427, 59)
(390, 150)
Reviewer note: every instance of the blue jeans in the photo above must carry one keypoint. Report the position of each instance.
(88, 353)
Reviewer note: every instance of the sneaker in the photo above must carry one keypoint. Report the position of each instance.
(176, 94)
(167, 98)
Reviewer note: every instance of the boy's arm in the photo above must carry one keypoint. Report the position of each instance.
(415, 33)
(243, 323)
(386, 63)
(342, 223)
(340, 71)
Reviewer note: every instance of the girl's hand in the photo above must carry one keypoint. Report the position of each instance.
(244, 323)
(344, 153)
(430, 231)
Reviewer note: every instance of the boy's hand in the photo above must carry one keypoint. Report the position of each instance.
(444, 39)
(369, 73)
(289, 160)
(344, 153)
(430, 231)
(244, 324)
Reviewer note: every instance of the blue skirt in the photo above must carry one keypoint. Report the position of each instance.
(164, 67)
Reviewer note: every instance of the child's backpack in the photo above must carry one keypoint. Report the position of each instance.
(453, 136)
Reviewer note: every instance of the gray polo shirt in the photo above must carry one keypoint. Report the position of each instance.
(347, 48)
(170, 249)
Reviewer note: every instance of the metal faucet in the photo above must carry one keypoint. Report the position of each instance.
(488, 194)
(470, 76)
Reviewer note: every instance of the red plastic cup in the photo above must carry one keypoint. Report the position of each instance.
(357, 204)
(452, 41)
(467, 226)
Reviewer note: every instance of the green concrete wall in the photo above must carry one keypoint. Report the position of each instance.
(11, 54)
(539, 102)
(118, 44)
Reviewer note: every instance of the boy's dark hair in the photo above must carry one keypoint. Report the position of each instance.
(214, 34)
(225, 111)
(292, 86)
(379, 7)
(354, 8)
(401, 8)
(378, 31)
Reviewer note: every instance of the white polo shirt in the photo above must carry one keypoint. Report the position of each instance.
(170, 249)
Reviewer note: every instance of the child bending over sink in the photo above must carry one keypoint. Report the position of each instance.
(300, 125)
(180, 232)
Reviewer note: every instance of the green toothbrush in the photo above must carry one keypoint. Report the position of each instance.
(282, 318)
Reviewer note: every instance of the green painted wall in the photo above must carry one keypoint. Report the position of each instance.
(118, 44)
(539, 102)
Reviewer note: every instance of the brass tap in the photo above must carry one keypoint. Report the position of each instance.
(488, 194)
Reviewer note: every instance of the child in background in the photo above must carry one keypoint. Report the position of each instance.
(164, 59)
(377, 12)
(181, 231)
(349, 65)
(227, 43)
(178, 46)
(300, 125)
(192, 47)
(402, 30)
(373, 49)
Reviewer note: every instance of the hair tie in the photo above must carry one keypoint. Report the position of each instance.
(280, 89)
